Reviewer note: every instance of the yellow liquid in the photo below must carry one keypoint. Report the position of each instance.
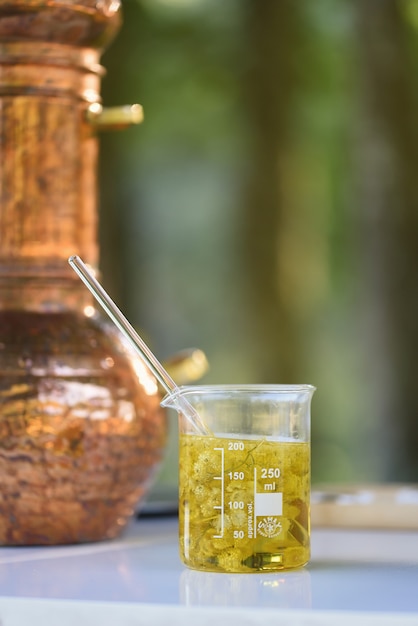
(244, 504)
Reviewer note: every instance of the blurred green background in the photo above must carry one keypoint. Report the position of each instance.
(266, 210)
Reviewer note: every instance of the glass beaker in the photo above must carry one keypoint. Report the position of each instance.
(244, 489)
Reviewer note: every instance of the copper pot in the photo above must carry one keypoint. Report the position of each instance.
(81, 428)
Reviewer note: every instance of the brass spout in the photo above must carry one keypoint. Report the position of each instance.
(187, 366)
(114, 118)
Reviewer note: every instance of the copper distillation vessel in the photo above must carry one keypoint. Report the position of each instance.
(81, 427)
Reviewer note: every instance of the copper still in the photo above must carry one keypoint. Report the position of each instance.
(81, 428)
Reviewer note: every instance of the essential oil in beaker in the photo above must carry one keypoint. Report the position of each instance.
(244, 503)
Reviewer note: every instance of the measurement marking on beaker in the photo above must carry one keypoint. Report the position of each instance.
(220, 507)
(268, 503)
(255, 500)
(270, 487)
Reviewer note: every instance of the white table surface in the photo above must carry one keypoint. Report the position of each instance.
(369, 576)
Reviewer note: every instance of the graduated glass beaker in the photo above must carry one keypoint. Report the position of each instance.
(244, 488)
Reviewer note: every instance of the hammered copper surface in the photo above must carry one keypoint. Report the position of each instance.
(89, 23)
(81, 429)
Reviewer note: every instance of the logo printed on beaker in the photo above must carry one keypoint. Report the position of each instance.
(269, 527)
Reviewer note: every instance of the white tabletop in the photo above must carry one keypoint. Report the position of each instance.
(139, 579)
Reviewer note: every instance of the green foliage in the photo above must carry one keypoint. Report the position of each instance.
(254, 210)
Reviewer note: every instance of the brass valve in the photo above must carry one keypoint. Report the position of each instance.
(114, 118)
(187, 365)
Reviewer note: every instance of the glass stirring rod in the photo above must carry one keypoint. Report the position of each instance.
(140, 347)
